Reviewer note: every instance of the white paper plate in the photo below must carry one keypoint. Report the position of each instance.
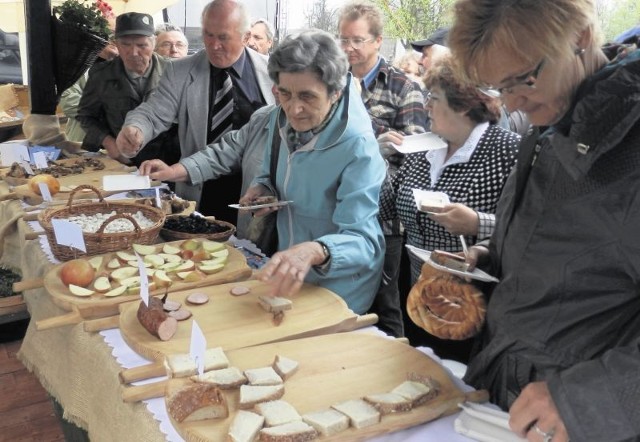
(420, 143)
(260, 206)
(477, 274)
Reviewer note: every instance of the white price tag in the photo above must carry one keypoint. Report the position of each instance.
(13, 153)
(44, 191)
(198, 346)
(144, 281)
(27, 168)
(40, 160)
(158, 201)
(68, 234)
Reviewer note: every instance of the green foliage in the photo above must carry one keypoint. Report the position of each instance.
(85, 15)
(616, 17)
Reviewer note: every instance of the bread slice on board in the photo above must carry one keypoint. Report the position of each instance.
(263, 376)
(274, 304)
(296, 431)
(277, 413)
(417, 392)
(245, 426)
(197, 402)
(327, 422)
(387, 403)
(225, 378)
(250, 395)
(181, 365)
(285, 367)
(361, 414)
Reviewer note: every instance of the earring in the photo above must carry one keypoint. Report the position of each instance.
(579, 51)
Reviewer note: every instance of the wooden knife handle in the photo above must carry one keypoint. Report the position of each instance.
(33, 235)
(28, 284)
(366, 320)
(70, 318)
(141, 392)
(30, 216)
(143, 372)
(96, 325)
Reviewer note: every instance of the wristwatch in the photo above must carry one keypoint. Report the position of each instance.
(325, 250)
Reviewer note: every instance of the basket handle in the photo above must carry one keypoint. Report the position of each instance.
(84, 187)
(136, 226)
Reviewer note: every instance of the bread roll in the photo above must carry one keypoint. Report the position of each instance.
(445, 305)
(197, 402)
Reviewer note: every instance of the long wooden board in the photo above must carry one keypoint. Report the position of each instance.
(231, 322)
(332, 369)
(99, 306)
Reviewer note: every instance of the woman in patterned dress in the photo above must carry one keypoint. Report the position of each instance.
(472, 169)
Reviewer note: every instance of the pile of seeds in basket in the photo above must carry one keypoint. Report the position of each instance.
(91, 223)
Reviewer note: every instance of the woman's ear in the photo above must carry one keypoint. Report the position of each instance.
(585, 39)
(335, 97)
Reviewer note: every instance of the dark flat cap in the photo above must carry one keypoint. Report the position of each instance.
(438, 37)
(134, 23)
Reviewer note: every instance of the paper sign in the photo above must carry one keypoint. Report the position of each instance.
(13, 153)
(144, 281)
(125, 182)
(158, 200)
(44, 191)
(198, 346)
(68, 234)
(27, 168)
(40, 160)
(420, 143)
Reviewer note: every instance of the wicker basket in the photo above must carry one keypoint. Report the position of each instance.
(174, 235)
(101, 242)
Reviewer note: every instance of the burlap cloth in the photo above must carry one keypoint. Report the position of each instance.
(74, 366)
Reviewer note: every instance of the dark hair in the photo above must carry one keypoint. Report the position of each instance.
(462, 96)
(314, 51)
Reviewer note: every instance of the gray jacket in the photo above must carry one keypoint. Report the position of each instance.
(238, 149)
(182, 95)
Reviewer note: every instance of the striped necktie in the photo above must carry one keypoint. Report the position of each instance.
(222, 110)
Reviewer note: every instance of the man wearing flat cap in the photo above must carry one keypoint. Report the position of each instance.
(120, 85)
(432, 47)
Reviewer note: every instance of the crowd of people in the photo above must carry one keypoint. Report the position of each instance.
(540, 166)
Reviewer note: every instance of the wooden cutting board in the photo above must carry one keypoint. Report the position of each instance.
(230, 322)
(99, 306)
(332, 369)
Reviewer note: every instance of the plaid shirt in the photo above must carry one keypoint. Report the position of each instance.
(395, 102)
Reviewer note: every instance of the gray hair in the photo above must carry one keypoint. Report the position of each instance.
(269, 26)
(315, 51)
(167, 27)
(240, 9)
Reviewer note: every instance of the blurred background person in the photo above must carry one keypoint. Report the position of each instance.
(562, 328)
(409, 63)
(330, 167)
(260, 36)
(432, 47)
(171, 41)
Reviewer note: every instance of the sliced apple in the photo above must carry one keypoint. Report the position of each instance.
(212, 246)
(210, 262)
(143, 249)
(96, 262)
(126, 257)
(155, 260)
(190, 244)
(123, 273)
(191, 276)
(135, 264)
(211, 269)
(169, 257)
(134, 280)
(135, 289)
(200, 254)
(161, 279)
(220, 253)
(102, 284)
(113, 264)
(184, 266)
(169, 266)
(116, 292)
(170, 250)
(80, 291)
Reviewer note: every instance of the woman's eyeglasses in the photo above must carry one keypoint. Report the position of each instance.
(527, 80)
(355, 43)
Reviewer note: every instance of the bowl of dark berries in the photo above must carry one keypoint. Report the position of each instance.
(178, 227)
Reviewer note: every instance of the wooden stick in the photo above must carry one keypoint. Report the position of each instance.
(147, 391)
(96, 325)
(148, 371)
(28, 284)
(71, 318)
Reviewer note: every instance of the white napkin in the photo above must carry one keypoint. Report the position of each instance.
(485, 424)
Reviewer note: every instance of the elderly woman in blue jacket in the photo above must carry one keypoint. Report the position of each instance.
(330, 167)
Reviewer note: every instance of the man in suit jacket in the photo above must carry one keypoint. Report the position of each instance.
(187, 91)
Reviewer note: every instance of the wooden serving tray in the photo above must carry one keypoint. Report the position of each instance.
(99, 306)
(231, 322)
(332, 369)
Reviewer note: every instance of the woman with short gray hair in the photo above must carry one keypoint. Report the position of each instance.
(328, 165)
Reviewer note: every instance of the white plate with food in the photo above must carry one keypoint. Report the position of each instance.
(451, 265)
(260, 206)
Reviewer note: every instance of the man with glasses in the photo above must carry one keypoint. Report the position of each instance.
(171, 41)
(395, 104)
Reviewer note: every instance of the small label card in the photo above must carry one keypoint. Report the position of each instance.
(198, 346)
(144, 281)
(68, 234)
(158, 200)
(13, 153)
(40, 160)
(27, 168)
(44, 191)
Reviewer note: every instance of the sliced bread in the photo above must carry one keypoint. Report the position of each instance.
(274, 304)
(327, 422)
(417, 391)
(285, 367)
(225, 378)
(263, 376)
(250, 395)
(387, 403)
(197, 402)
(360, 413)
(181, 365)
(245, 426)
(296, 431)
(277, 413)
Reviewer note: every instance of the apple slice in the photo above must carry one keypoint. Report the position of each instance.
(96, 262)
(155, 260)
(190, 244)
(102, 284)
(126, 257)
(170, 250)
(161, 279)
(184, 266)
(135, 264)
(212, 246)
(144, 249)
(200, 254)
(210, 262)
(211, 269)
(191, 276)
(135, 288)
(169, 266)
(220, 253)
(113, 264)
(123, 273)
(80, 291)
(134, 280)
(116, 292)
(169, 257)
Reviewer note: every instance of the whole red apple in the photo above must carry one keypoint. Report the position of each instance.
(77, 272)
